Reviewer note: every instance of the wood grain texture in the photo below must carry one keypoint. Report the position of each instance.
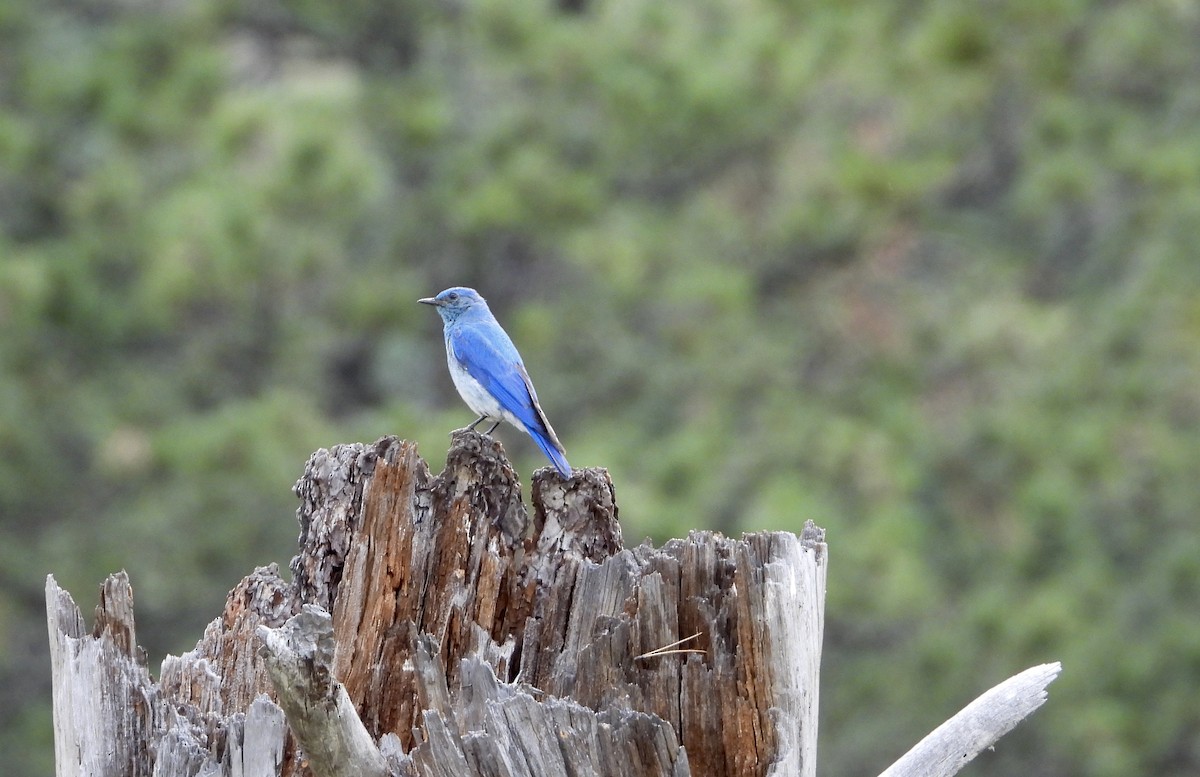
(298, 657)
(210, 712)
(475, 635)
(104, 702)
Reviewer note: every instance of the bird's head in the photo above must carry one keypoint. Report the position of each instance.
(452, 303)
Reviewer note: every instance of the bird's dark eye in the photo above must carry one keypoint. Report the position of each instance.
(452, 296)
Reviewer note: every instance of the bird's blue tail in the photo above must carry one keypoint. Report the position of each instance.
(556, 455)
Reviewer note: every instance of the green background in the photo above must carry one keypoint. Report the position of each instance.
(924, 272)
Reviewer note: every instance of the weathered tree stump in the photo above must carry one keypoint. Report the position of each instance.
(435, 626)
(470, 634)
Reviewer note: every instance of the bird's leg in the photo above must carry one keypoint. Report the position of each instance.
(489, 431)
(476, 423)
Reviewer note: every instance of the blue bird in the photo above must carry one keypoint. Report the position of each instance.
(488, 371)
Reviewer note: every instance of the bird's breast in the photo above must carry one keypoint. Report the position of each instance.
(478, 398)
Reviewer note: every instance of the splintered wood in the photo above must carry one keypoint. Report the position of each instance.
(472, 636)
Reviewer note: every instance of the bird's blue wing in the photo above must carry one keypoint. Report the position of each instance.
(490, 358)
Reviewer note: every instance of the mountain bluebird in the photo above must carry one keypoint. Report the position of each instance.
(488, 372)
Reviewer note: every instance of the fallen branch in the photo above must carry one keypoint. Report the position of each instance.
(955, 743)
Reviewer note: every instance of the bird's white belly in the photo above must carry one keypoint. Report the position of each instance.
(476, 396)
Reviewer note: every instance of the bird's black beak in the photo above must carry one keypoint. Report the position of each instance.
(430, 301)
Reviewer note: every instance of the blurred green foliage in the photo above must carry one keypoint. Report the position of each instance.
(925, 273)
